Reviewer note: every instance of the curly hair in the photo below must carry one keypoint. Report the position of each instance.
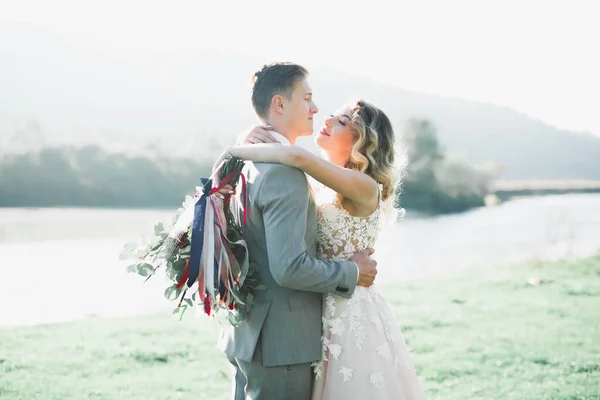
(374, 151)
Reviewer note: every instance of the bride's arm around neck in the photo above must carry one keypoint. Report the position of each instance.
(356, 186)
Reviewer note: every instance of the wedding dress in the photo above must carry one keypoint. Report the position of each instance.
(364, 354)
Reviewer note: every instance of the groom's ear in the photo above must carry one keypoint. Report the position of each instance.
(277, 104)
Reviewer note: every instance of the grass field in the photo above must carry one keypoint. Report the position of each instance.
(529, 331)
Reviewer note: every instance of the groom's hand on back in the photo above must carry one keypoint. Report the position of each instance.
(367, 267)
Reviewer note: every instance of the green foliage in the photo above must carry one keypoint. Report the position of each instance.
(437, 182)
(91, 177)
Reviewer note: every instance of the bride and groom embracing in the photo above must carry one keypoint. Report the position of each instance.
(318, 329)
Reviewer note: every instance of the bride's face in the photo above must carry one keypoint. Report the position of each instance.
(336, 135)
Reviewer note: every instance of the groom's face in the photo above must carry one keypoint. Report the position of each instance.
(300, 109)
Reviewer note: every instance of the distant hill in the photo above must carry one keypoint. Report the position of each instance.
(525, 147)
(55, 92)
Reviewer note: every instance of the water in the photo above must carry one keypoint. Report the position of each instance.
(61, 264)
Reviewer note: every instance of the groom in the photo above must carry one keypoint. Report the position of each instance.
(272, 350)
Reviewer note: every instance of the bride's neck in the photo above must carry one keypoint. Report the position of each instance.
(338, 159)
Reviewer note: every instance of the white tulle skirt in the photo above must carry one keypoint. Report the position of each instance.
(364, 354)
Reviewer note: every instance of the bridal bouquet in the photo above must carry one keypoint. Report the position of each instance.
(201, 249)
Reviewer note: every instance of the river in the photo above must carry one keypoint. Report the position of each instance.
(60, 264)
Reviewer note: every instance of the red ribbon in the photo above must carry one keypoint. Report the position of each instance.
(185, 276)
(222, 183)
(244, 200)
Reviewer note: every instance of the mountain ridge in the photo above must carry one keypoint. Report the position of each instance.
(58, 92)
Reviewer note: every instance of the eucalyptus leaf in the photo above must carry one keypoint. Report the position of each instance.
(232, 319)
(237, 317)
(172, 274)
(145, 269)
(167, 224)
(184, 308)
(155, 241)
(157, 246)
(141, 252)
(177, 310)
(126, 254)
(249, 300)
(236, 295)
(189, 302)
(170, 257)
(172, 293)
(132, 268)
(144, 241)
(180, 263)
(131, 245)
(158, 228)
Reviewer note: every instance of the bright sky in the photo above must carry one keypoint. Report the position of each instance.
(539, 57)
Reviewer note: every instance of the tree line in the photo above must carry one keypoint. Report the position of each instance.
(436, 182)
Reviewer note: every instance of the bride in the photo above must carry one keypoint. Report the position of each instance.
(364, 354)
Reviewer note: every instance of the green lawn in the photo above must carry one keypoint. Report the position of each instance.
(515, 332)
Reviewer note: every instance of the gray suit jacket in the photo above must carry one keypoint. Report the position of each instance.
(282, 241)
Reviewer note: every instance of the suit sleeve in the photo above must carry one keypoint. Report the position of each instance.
(283, 198)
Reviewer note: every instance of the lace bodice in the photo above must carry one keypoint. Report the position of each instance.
(340, 234)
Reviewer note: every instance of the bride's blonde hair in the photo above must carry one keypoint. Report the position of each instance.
(374, 151)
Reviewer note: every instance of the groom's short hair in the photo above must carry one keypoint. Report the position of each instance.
(274, 79)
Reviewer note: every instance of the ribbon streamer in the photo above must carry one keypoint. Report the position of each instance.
(212, 262)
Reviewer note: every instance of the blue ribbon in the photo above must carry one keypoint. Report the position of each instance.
(197, 242)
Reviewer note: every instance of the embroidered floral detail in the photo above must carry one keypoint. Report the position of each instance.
(337, 326)
(346, 373)
(359, 333)
(330, 304)
(384, 351)
(377, 380)
(325, 342)
(377, 322)
(335, 350)
(388, 328)
(317, 367)
(340, 234)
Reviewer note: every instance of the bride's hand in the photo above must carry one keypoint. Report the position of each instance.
(259, 134)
